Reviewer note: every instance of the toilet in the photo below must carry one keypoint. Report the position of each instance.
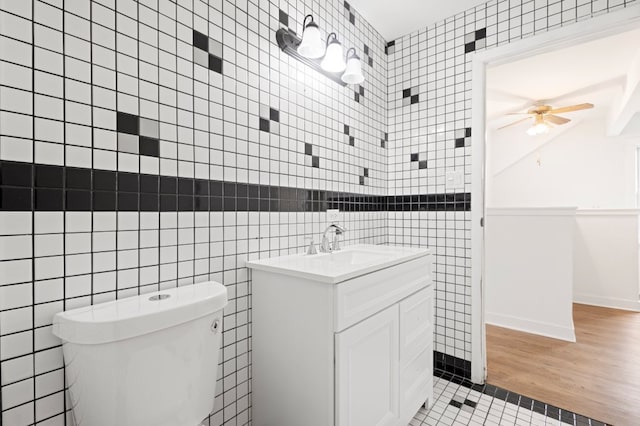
(146, 360)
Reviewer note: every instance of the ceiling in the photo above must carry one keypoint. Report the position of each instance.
(393, 19)
(589, 72)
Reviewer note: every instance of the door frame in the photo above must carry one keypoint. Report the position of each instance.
(603, 25)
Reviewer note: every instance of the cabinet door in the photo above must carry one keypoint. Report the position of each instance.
(367, 371)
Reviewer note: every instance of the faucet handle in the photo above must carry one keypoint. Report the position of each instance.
(311, 249)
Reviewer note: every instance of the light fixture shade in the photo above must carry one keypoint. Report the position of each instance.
(334, 56)
(538, 129)
(312, 45)
(353, 72)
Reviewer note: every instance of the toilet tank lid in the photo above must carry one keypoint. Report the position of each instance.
(133, 316)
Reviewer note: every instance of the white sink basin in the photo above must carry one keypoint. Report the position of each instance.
(338, 266)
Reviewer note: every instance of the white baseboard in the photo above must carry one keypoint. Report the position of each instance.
(533, 327)
(607, 302)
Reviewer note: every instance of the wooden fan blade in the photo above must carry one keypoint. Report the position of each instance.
(570, 108)
(556, 119)
(519, 113)
(514, 123)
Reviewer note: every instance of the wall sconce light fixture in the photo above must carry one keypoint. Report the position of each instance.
(328, 59)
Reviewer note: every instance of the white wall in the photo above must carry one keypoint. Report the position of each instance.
(529, 270)
(579, 166)
(606, 258)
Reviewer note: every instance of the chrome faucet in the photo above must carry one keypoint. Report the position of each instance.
(325, 247)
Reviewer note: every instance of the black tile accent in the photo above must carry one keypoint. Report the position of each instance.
(422, 164)
(365, 49)
(128, 182)
(185, 186)
(215, 188)
(352, 140)
(415, 99)
(200, 41)
(104, 201)
(480, 34)
(352, 18)
(15, 199)
(467, 132)
(149, 183)
(149, 202)
(315, 161)
(185, 203)
(168, 203)
(442, 361)
(470, 47)
(78, 178)
(215, 63)
(16, 174)
(347, 6)
(128, 123)
(49, 176)
(201, 187)
(346, 129)
(283, 18)
(308, 149)
(470, 403)
(361, 90)
(391, 43)
(460, 143)
(168, 185)
(366, 172)
(414, 157)
(104, 180)
(370, 61)
(455, 403)
(361, 179)
(406, 93)
(356, 97)
(78, 200)
(274, 114)
(149, 146)
(513, 398)
(49, 199)
(264, 124)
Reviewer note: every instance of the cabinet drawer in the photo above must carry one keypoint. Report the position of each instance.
(361, 297)
(416, 384)
(416, 324)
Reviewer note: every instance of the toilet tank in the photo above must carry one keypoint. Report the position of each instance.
(145, 360)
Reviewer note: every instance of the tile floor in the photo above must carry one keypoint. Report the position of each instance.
(460, 402)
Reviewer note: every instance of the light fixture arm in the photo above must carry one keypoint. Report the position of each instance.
(335, 38)
(304, 22)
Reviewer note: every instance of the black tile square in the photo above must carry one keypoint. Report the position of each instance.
(366, 172)
(242, 190)
(15, 199)
(215, 204)
(104, 180)
(361, 180)
(168, 185)
(49, 176)
(470, 403)
(455, 403)
(315, 161)
(480, 34)
(470, 47)
(283, 18)
(78, 200)
(78, 178)
(365, 49)
(356, 97)
(460, 143)
(383, 144)
(347, 6)
(201, 187)
(127, 201)
(264, 124)
(352, 18)
(149, 184)
(414, 157)
(215, 188)
(128, 123)
(149, 146)
(127, 182)
(229, 189)
(308, 149)
(370, 61)
(229, 204)
(215, 64)
(274, 114)
(467, 132)
(200, 41)
(49, 199)
(149, 202)
(352, 140)
(201, 203)
(185, 186)
(415, 99)
(346, 129)
(15, 174)
(361, 90)
(185, 203)
(104, 201)
(422, 164)
(168, 203)
(406, 93)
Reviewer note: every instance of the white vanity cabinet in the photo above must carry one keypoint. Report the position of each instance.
(347, 352)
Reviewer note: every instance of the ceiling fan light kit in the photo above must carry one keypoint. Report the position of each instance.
(544, 117)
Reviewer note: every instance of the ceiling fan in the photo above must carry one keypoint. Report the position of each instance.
(544, 116)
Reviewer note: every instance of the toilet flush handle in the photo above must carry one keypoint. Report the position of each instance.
(215, 326)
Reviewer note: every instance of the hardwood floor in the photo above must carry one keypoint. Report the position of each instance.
(598, 376)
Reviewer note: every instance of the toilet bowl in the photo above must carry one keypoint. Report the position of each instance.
(145, 360)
